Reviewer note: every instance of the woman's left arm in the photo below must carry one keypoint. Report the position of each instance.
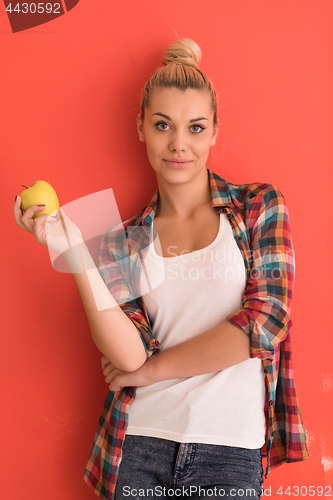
(221, 347)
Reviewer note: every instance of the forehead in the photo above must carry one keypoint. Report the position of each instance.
(175, 102)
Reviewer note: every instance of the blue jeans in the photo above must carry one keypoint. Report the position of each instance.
(157, 468)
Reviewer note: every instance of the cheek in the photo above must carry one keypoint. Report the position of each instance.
(202, 146)
(155, 146)
(152, 155)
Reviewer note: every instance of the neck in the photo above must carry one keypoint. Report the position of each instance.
(183, 200)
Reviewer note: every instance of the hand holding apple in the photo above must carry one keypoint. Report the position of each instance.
(40, 193)
(55, 231)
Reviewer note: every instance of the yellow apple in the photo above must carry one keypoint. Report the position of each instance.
(40, 193)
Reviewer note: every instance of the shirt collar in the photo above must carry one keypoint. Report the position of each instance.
(220, 194)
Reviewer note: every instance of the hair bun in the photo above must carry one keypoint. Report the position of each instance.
(183, 51)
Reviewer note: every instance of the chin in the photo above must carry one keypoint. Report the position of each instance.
(177, 176)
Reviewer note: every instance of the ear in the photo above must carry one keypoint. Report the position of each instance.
(216, 131)
(139, 124)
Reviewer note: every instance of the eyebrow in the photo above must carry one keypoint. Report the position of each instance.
(191, 121)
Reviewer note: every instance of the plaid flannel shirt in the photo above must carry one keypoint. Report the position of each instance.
(260, 222)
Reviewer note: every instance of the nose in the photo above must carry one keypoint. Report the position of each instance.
(178, 141)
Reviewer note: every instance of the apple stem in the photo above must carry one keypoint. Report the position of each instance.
(25, 186)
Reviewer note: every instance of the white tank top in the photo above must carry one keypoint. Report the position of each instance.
(198, 291)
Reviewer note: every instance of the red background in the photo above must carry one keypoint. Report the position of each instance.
(70, 93)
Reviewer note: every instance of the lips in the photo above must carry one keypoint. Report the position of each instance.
(177, 160)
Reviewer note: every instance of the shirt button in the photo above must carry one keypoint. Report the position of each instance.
(273, 433)
(266, 370)
(157, 342)
(239, 238)
(248, 272)
(271, 402)
(229, 215)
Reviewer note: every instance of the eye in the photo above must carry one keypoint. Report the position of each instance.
(197, 129)
(161, 123)
(200, 127)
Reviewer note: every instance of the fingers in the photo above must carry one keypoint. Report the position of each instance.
(28, 214)
(104, 362)
(108, 369)
(111, 375)
(115, 384)
(39, 229)
(18, 212)
(26, 220)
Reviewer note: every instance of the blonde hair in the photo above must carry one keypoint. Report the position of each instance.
(180, 69)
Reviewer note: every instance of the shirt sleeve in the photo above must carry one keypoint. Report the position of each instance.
(114, 267)
(265, 312)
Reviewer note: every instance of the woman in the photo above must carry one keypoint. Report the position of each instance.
(206, 388)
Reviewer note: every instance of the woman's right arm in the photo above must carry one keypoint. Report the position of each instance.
(112, 331)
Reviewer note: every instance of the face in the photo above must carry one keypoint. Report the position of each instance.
(178, 131)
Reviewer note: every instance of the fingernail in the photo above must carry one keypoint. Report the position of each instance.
(15, 197)
(40, 205)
